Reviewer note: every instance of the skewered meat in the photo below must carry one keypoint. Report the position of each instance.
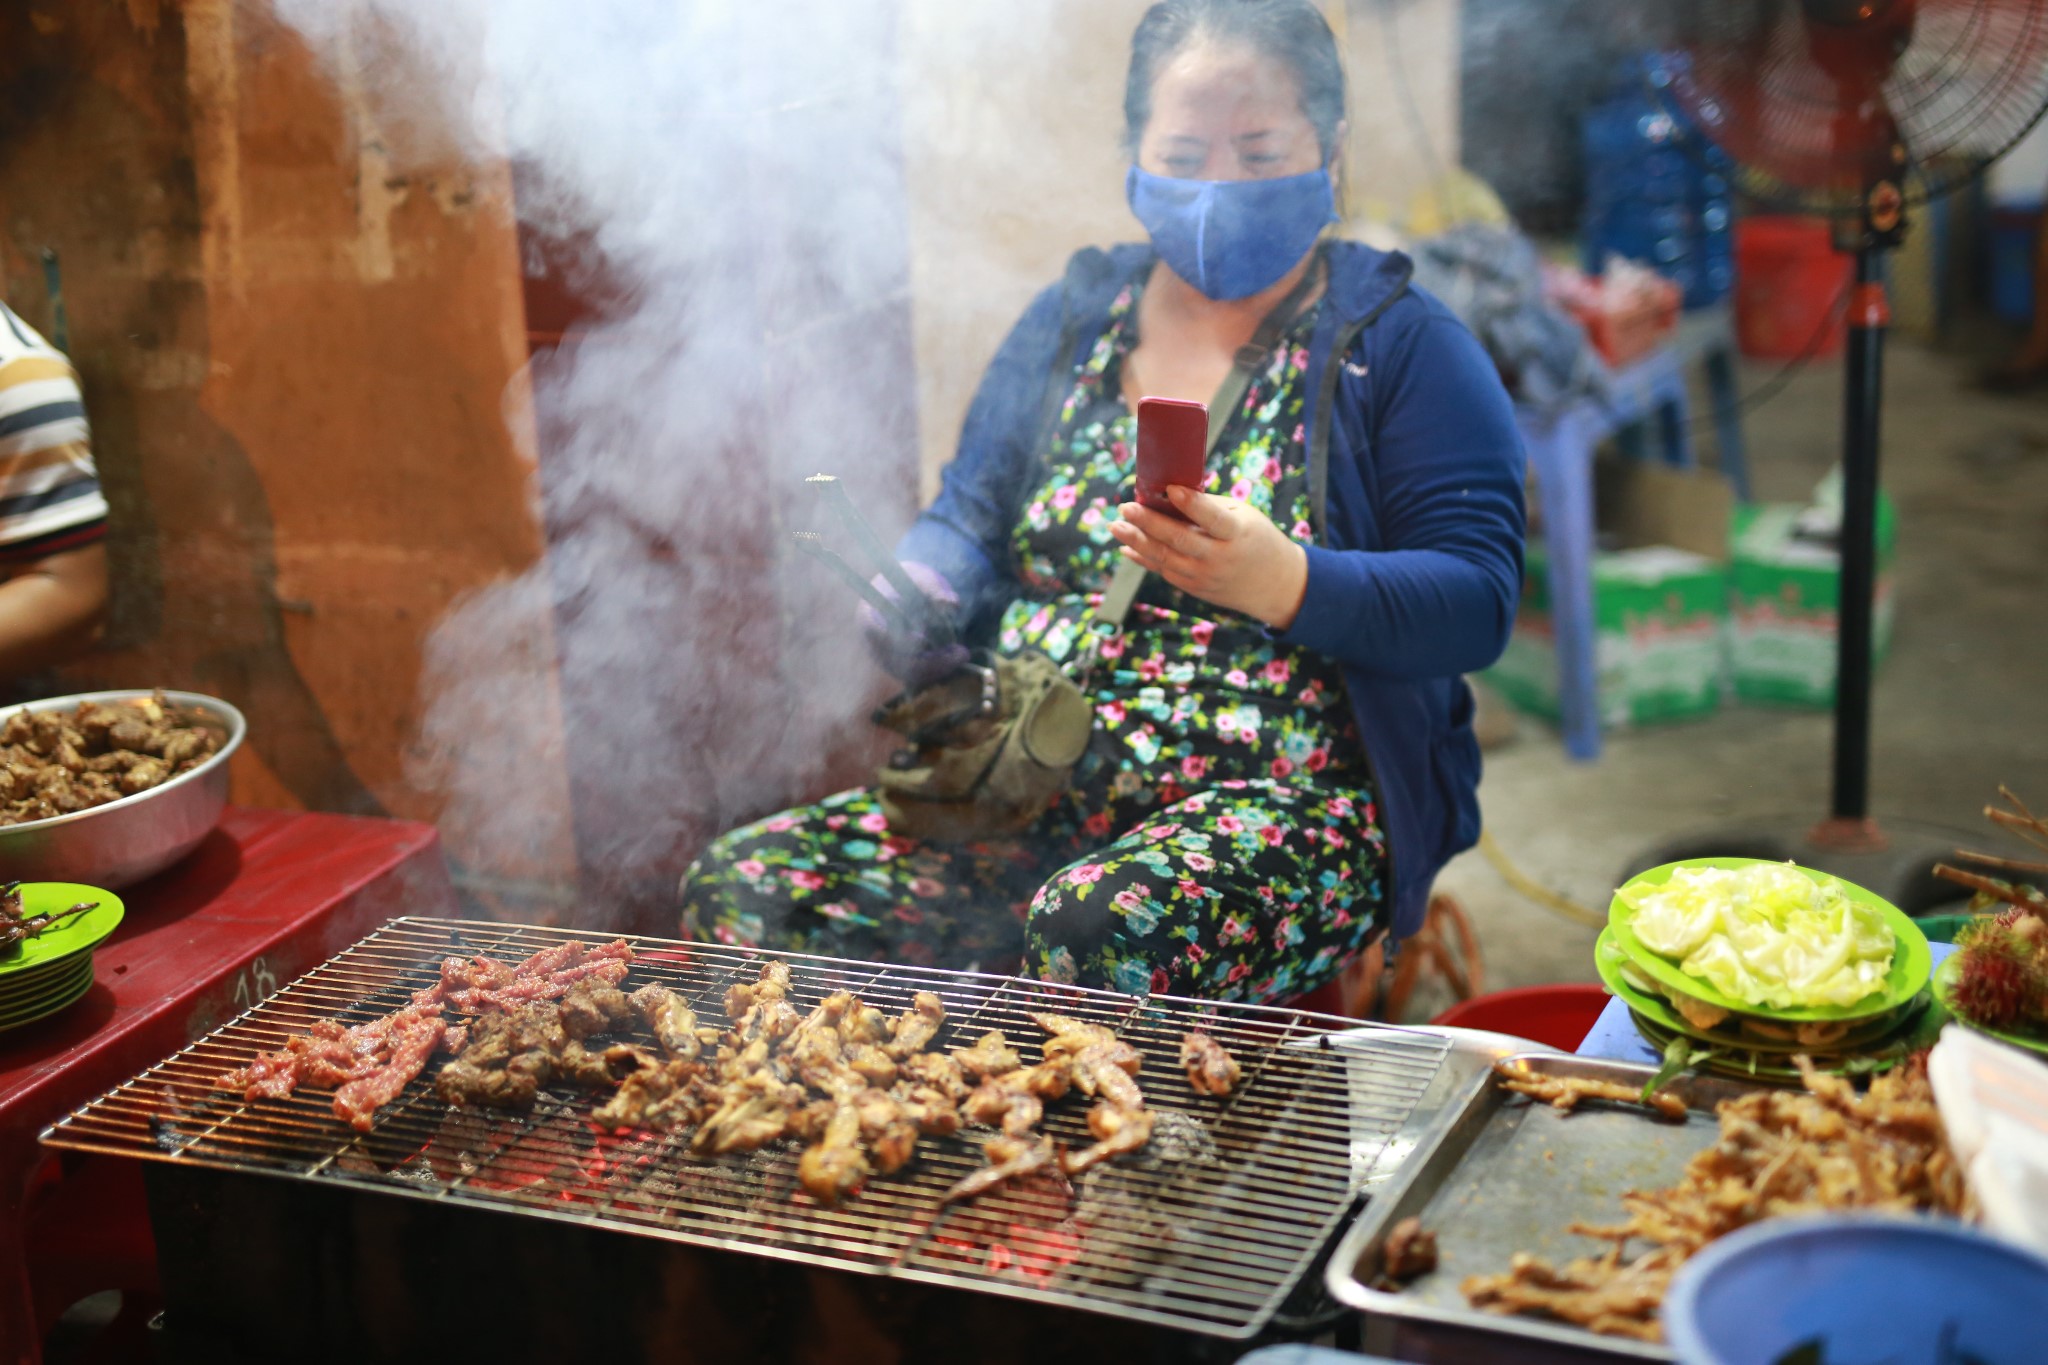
(673, 1022)
(1009, 1157)
(16, 928)
(1567, 1092)
(1211, 1070)
(1117, 1130)
(992, 1055)
(913, 1033)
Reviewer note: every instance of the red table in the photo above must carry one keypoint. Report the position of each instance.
(267, 897)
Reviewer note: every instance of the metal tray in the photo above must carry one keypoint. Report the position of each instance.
(1500, 1173)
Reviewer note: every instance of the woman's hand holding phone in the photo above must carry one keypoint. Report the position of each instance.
(1221, 550)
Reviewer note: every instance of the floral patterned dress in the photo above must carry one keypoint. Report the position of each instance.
(1220, 837)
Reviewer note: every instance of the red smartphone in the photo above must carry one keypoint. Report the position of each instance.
(1173, 447)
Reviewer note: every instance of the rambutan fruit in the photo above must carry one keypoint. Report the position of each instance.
(1996, 984)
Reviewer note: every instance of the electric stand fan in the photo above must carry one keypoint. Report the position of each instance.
(1857, 110)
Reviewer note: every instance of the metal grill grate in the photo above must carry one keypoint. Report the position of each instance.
(1206, 1230)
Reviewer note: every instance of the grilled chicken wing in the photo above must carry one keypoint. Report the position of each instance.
(1069, 1035)
(992, 1055)
(914, 1031)
(673, 1022)
(1117, 1130)
(1009, 1157)
(1211, 1070)
(837, 1163)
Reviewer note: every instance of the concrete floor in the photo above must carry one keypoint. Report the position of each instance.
(1960, 702)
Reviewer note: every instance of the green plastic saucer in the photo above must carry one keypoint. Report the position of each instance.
(1912, 963)
(77, 981)
(1608, 961)
(71, 937)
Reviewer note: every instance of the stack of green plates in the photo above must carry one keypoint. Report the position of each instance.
(44, 974)
(1876, 1032)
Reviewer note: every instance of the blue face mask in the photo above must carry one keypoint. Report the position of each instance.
(1232, 238)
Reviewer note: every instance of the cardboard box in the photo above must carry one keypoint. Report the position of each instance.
(1784, 595)
(1660, 602)
(1660, 619)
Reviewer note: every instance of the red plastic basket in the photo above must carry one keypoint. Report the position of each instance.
(1789, 283)
(1561, 1016)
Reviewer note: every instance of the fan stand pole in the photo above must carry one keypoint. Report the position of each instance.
(1849, 827)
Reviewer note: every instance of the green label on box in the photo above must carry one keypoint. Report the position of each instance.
(1785, 597)
(1660, 639)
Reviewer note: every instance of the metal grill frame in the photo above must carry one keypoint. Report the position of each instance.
(1215, 1249)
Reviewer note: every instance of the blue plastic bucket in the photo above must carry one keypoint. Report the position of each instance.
(1868, 1287)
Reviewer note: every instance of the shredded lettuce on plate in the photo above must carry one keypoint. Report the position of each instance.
(1766, 934)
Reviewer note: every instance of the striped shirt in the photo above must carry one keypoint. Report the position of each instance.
(50, 496)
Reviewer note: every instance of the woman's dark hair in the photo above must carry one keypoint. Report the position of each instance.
(1288, 31)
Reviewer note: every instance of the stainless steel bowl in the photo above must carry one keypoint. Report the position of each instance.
(122, 842)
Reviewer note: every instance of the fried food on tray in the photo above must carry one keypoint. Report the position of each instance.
(1211, 1070)
(1409, 1253)
(55, 763)
(1780, 1152)
(1568, 1092)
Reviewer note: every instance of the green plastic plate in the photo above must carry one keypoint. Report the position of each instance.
(1607, 960)
(1769, 1066)
(1912, 963)
(68, 983)
(73, 935)
(1944, 991)
(28, 1014)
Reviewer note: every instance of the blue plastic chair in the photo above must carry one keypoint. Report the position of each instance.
(1561, 442)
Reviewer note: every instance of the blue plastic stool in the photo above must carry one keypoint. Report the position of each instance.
(1561, 442)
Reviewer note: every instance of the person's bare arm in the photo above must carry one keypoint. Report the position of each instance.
(51, 609)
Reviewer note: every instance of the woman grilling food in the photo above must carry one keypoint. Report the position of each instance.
(1281, 754)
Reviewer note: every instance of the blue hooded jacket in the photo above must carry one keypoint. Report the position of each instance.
(1415, 477)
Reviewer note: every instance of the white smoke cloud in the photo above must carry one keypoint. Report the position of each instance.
(736, 173)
